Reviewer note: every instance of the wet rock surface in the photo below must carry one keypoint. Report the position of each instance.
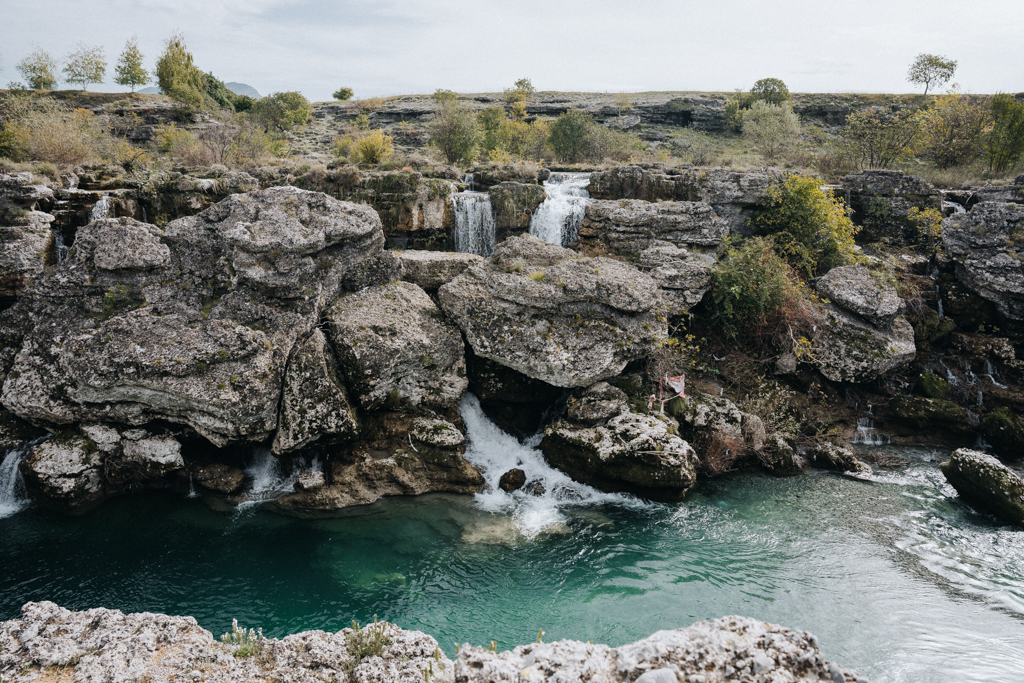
(983, 481)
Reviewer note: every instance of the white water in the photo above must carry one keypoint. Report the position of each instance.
(867, 434)
(990, 372)
(494, 452)
(269, 480)
(12, 489)
(101, 209)
(58, 242)
(557, 220)
(474, 223)
(957, 208)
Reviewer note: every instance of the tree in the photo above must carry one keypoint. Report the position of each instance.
(177, 75)
(522, 91)
(929, 70)
(955, 130)
(572, 136)
(1006, 141)
(129, 70)
(343, 94)
(454, 131)
(443, 96)
(39, 70)
(282, 110)
(771, 127)
(770, 90)
(85, 65)
(877, 138)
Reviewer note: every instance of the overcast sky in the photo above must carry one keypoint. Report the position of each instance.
(389, 47)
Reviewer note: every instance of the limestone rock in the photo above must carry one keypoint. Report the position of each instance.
(514, 205)
(935, 417)
(720, 431)
(684, 277)
(724, 649)
(314, 403)
(847, 349)
(881, 201)
(598, 404)
(26, 246)
(832, 457)
(65, 471)
(513, 480)
(219, 477)
(983, 481)
(395, 347)
(515, 402)
(1005, 431)
(431, 269)
(984, 243)
(313, 480)
(551, 315)
(127, 244)
(628, 227)
(856, 290)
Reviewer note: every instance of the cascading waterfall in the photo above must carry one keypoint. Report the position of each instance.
(268, 478)
(990, 372)
(59, 245)
(540, 506)
(474, 223)
(101, 209)
(467, 179)
(557, 220)
(957, 208)
(867, 434)
(12, 489)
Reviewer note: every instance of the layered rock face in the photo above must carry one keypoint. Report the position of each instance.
(26, 240)
(683, 276)
(628, 227)
(881, 202)
(546, 312)
(984, 243)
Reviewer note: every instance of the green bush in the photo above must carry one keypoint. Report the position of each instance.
(243, 103)
(177, 75)
(522, 91)
(454, 131)
(222, 97)
(810, 227)
(770, 90)
(1006, 141)
(772, 127)
(375, 148)
(371, 641)
(343, 94)
(573, 136)
(247, 642)
(955, 130)
(755, 294)
(282, 110)
(733, 116)
(491, 120)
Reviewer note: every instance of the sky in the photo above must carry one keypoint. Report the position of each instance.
(391, 47)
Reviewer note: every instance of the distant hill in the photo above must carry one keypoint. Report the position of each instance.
(237, 88)
(243, 89)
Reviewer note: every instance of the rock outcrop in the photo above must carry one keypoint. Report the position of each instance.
(881, 202)
(984, 243)
(1005, 431)
(546, 312)
(601, 442)
(431, 269)
(983, 481)
(683, 277)
(856, 289)
(514, 204)
(628, 227)
(26, 240)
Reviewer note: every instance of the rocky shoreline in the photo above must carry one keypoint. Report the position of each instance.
(50, 643)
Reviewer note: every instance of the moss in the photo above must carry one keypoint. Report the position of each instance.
(934, 386)
(1005, 431)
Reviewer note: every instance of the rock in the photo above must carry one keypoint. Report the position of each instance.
(514, 205)
(881, 201)
(310, 481)
(26, 247)
(934, 417)
(14, 432)
(984, 243)
(489, 175)
(108, 645)
(629, 227)
(683, 277)
(314, 403)
(395, 348)
(431, 269)
(933, 386)
(847, 349)
(724, 649)
(829, 456)
(515, 402)
(1005, 431)
(855, 289)
(780, 458)
(624, 122)
(175, 195)
(200, 337)
(551, 315)
(983, 481)
(598, 404)
(513, 480)
(629, 452)
(219, 478)
(65, 472)
(721, 432)
(147, 458)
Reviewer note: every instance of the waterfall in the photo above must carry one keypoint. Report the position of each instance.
(58, 243)
(557, 220)
(866, 433)
(101, 209)
(957, 208)
(990, 372)
(467, 179)
(269, 481)
(12, 488)
(474, 223)
(539, 506)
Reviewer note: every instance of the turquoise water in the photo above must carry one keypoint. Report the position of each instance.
(896, 577)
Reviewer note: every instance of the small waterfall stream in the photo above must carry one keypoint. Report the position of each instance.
(557, 220)
(269, 480)
(12, 488)
(101, 209)
(474, 223)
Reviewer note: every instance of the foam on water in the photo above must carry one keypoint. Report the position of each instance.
(269, 480)
(12, 488)
(557, 220)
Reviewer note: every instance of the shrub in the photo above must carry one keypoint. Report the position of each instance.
(57, 135)
(443, 96)
(182, 146)
(371, 641)
(876, 138)
(770, 90)
(243, 103)
(755, 294)
(454, 132)
(955, 130)
(247, 642)
(343, 94)
(252, 144)
(733, 116)
(362, 122)
(123, 153)
(282, 110)
(522, 91)
(39, 70)
(771, 127)
(572, 136)
(927, 221)
(375, 148)
(810, 227)
(85, 65)
(219, 94)
(697, 148)
(929, 70)
(490, 120)
(1005, 144)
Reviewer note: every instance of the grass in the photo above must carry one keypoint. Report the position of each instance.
(247, 642)
(371, 641)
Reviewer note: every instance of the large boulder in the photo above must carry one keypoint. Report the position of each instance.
(683, 277)
(514, 205)
(881, 201)
(396, 349)
(26, 240)
(601, 442)
(551, 315)
(1005, 431)
(846, 348)
(983, 481)
(66, 472)
(628, 227)
(984, 243)
(191, 324)
(431, 269)
(722, 433)
(858, 291)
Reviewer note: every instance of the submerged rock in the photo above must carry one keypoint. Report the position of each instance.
(513, 480)
(983, 481)
(829, 456)
(546, 312)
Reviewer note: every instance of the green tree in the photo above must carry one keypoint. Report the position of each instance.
(929, 70)
(1005, 144)
(219, 94)
(282, 110)
(522, 91)
(177, 75)
(343, 94)
(129, 70)
(455, 131)
(770, 90)
(573, 136)
(85, 65)
(811, 228)
(491, 120)
(772, 128)
(39, 70)
(955, 130)
(444, 96)
(878, 138)
(733, 116)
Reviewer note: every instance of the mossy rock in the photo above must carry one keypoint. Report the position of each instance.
(1005, 431)
(931, 418)
(933, 386)
(986, 483)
